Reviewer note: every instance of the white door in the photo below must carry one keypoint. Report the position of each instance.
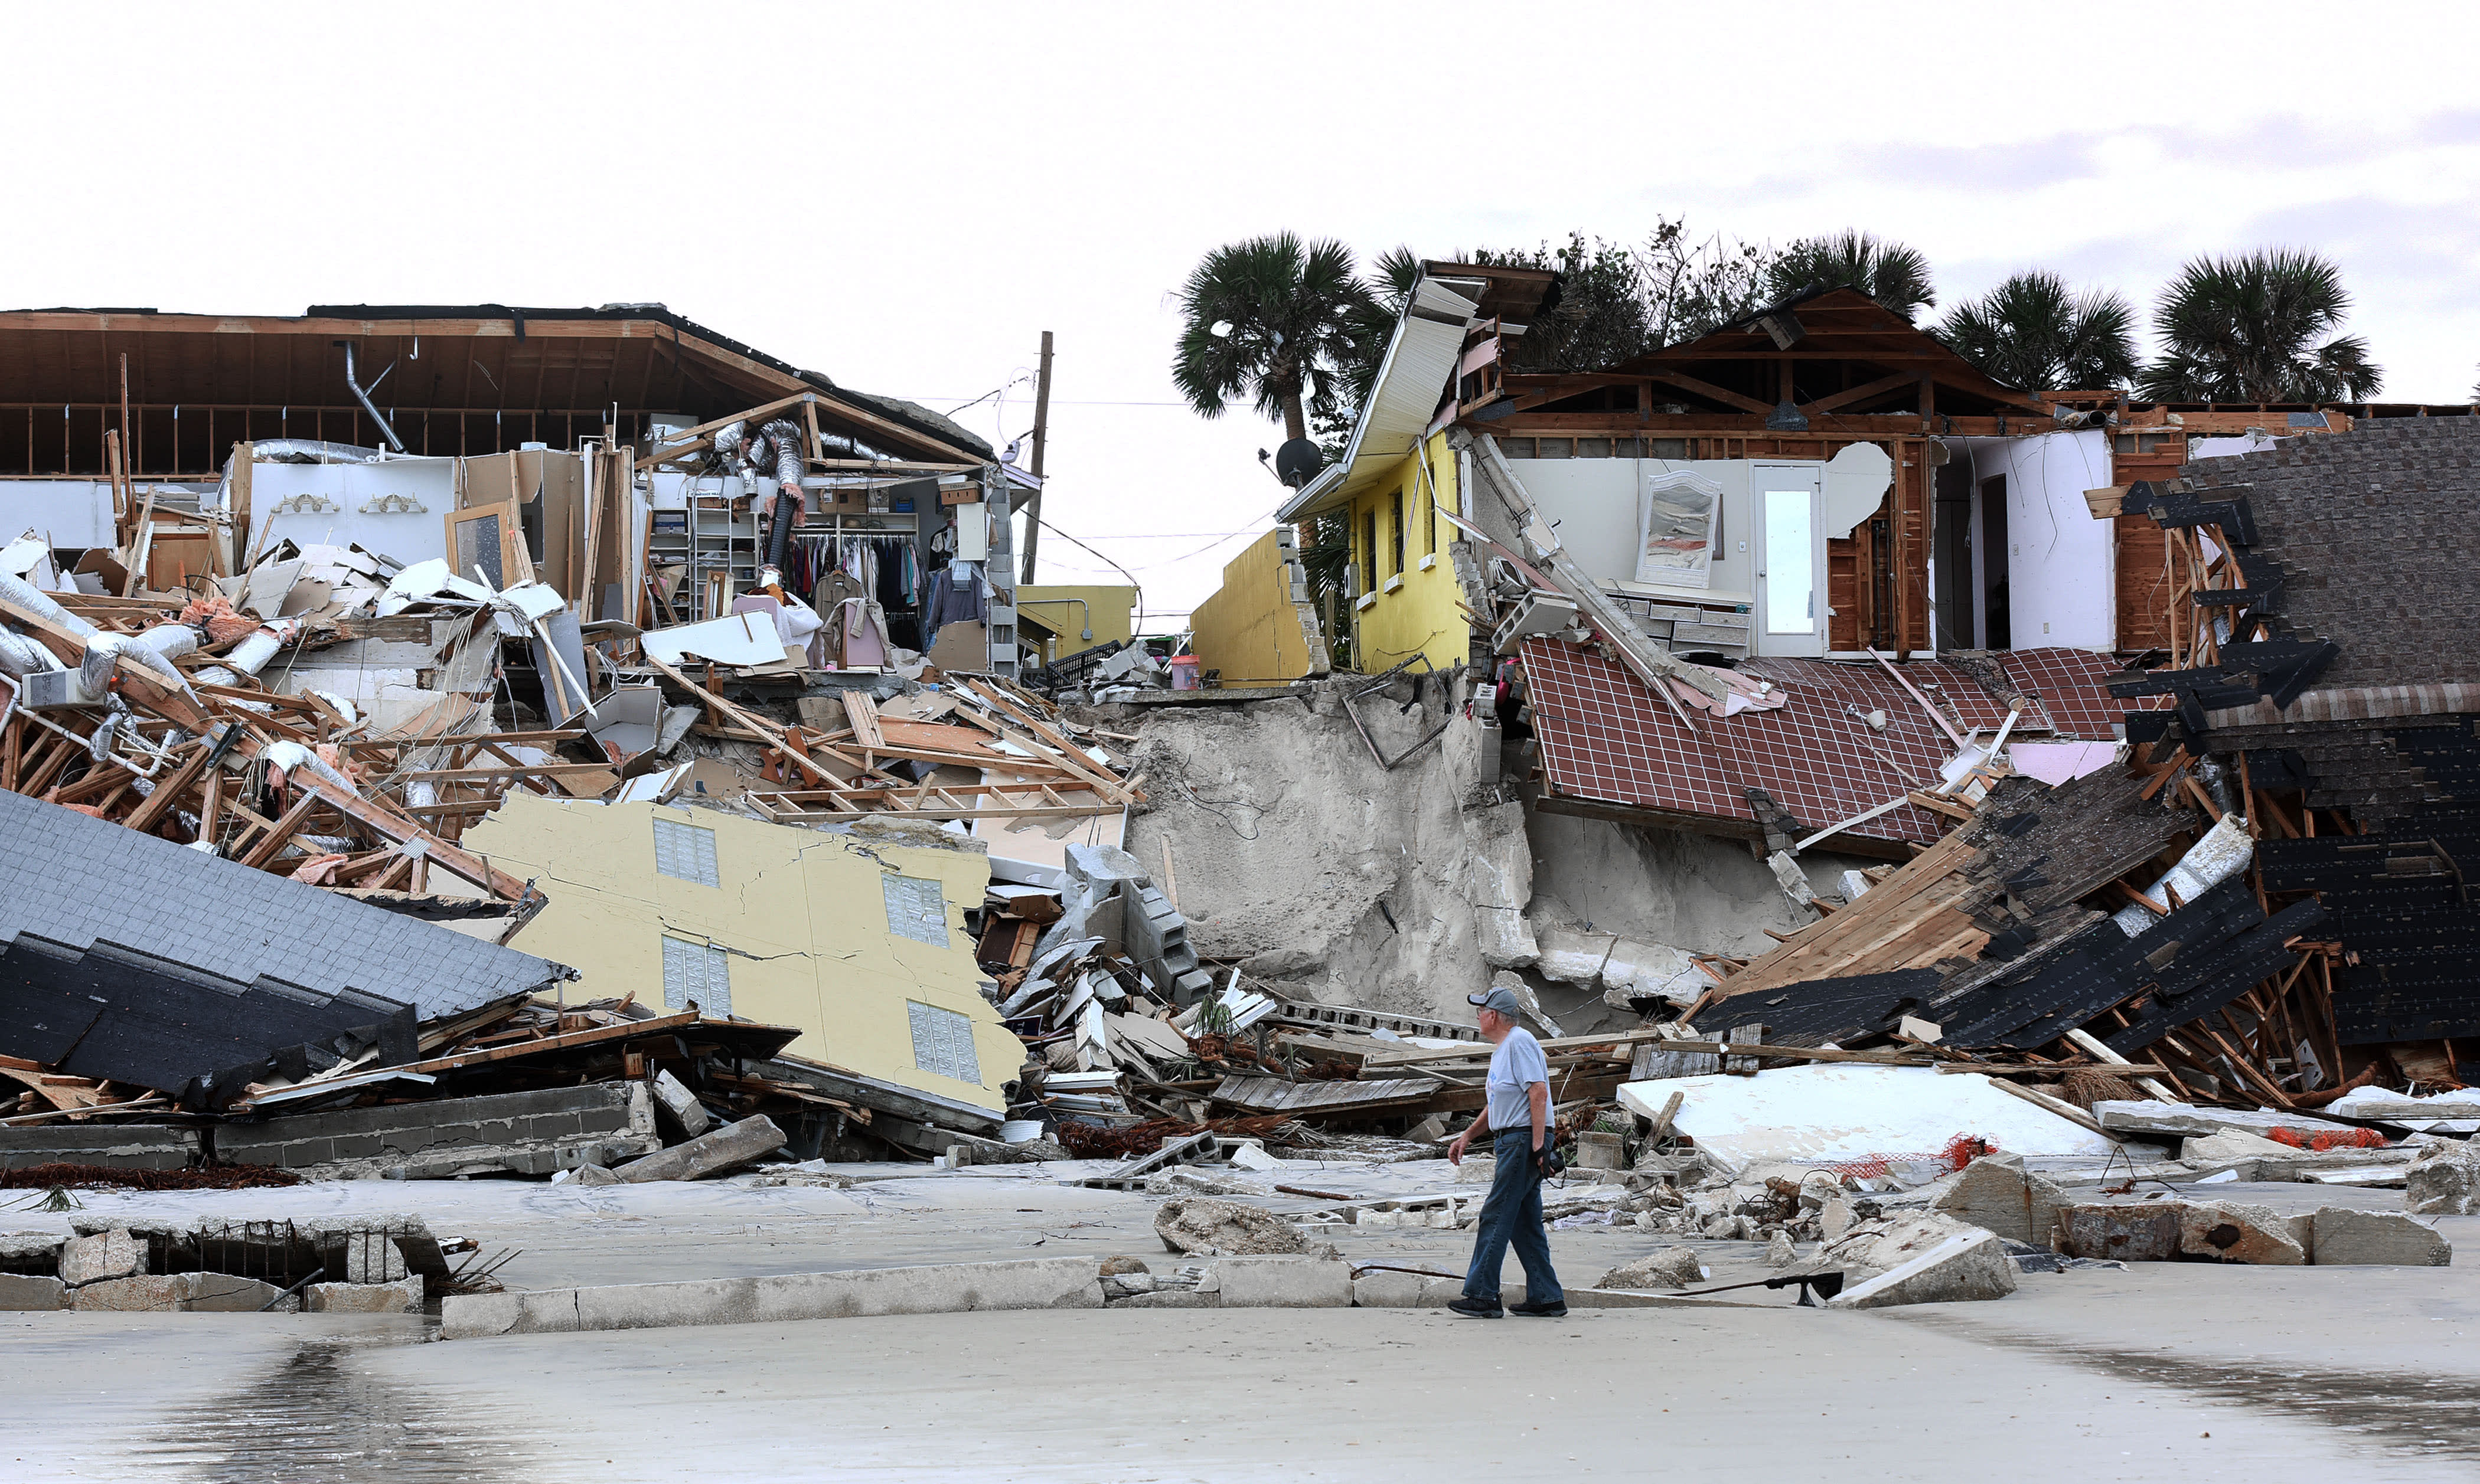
(1791, 561)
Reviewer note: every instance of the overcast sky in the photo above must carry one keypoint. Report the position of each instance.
(906, 197)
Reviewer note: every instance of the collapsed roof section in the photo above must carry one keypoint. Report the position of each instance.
(136, 959)
(444, 379)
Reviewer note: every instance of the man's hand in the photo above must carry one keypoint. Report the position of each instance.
(1456, 1150)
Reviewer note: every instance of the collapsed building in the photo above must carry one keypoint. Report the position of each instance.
(693, 790)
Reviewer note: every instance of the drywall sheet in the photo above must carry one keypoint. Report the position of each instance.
(1834, 1113)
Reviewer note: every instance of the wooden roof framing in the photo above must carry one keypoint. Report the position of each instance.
(263, 377)
(1851, 358)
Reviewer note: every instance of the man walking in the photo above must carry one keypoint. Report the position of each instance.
(1517, 1116)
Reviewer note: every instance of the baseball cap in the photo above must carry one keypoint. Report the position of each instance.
(1497, 997)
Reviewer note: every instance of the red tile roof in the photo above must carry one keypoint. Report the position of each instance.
(1604, 737)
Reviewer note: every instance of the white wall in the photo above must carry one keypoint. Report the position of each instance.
(341, 490)
(2060, 561)
(1593, 503)
(67, 513)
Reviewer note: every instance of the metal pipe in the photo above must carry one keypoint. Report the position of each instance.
(364, 398)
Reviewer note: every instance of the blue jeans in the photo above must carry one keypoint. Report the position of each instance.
(1512, 1214)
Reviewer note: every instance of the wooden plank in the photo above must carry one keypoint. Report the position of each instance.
(864, 715)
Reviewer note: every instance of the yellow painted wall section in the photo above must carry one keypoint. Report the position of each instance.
(1250, 630)
(1068, 611)
(802, 915)
(1424, 612)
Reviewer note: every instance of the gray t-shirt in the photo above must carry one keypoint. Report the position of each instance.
(1514, 1065)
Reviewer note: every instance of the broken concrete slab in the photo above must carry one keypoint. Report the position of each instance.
(1671, 1267)
(2344, 1237)
(724, 1148)
(2443, 1180)
(105, 1255)
(25, 1290)
(1964, 1266)
(1211, 1227)
(2230, 1147)
(1404, 1291)
(1998, 1194)
(403, 1296)
(2153, 1120)
(179, 1292)
(2172, 1231)
(1284, 1283)
(681, 1105)
(217, 1293)
(32, 1251)
(1041, 1283)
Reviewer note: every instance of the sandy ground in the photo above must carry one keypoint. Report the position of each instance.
(2151, 1373)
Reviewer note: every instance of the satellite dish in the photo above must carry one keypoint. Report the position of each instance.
(1297, 462)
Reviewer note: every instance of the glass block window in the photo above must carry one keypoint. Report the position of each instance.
(915, 909)
(943, 1042)
(685, 853)
(697, 971)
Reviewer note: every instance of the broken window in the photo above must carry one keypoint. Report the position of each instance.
(943, 1042)
(916, 908)
(685, 853)
(697, 973)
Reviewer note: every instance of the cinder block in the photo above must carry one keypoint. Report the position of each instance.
(119, 1146)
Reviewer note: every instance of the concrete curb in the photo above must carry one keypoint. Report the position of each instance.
(958, 1288)
(1042, 1282)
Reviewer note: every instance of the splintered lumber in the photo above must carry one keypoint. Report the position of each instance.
(765, 729)
(1909, 920)
(1308, 1099)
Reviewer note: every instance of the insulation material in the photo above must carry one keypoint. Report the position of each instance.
(2058, 762)
(1839, 1114)
(2222, 854)
(20, 592)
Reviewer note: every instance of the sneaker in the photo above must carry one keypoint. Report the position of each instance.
(1556, 1309)
(1475, 1309)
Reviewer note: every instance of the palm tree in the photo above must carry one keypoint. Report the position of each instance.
(1894, 275)
(1371, 328)
(2030, 332)
(2245, 329)
(1275, 319)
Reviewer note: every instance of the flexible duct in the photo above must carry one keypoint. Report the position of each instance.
(286, 757)
(170, 640)
(786, 440)
(726, 444)
(21, 656)
(95, 669)
(25, 595)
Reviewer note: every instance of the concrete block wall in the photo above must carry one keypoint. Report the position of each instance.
(528, 1133)
(117, 1146)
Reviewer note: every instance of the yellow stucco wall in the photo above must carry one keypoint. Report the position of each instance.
(802, 915)
(1250, 629)
(1065, 611)
(1424, 612)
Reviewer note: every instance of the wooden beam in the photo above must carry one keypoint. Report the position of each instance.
(1708, 389)
(1862, 393)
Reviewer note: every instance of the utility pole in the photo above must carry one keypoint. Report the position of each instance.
(1041, 430)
